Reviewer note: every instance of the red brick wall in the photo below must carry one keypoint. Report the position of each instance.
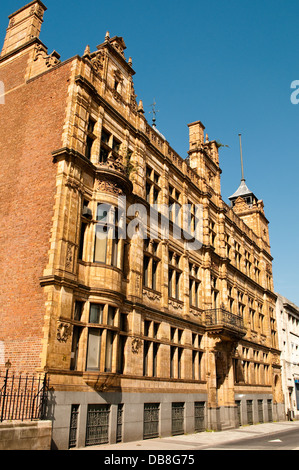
(31, 122)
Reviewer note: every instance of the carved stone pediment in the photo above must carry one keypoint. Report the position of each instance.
(240, 205)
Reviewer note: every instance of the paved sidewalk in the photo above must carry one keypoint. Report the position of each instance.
(201, 440)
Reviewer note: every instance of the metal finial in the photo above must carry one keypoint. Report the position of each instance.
(154, 112)
(242, 168)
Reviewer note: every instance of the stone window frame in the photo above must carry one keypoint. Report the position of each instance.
(151, 256)
(174, 275)
(108, 329)
(112, 245)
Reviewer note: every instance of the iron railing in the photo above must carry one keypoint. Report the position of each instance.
(22, 397)
(220, 316)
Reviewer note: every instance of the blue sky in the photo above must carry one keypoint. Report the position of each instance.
(227, 63)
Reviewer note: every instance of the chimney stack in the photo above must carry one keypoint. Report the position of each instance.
(24, 26)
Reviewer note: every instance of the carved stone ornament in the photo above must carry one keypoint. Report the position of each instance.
(136, 345)
(98, 62)
(64, 331)
(74, 184)
(51, 60)
(151, 295)
(240, 205)
(11, 23)
(118, 45)
(108, 187)
(69, 256)
(217, 344)
(175, 304)
(114, 163)
(195, 312)
(38, 10)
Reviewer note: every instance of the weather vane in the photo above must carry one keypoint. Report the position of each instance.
(241, 154)
(154, 112)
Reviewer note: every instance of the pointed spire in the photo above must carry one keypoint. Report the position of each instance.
(242, 190)
(130, 62)
(107, 37)
(87, 51)
(140, 107)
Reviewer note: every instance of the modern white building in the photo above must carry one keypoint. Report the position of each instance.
(287, 315)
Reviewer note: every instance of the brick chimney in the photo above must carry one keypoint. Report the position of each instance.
(24, 26)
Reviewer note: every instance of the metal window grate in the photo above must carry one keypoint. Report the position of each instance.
(119, 428)
(260, 411)
(97, 427)
(177, 418)
(249, 412)
(238, 403)
(151, 420)
(270, 416)
(74, 426)
(199, 416)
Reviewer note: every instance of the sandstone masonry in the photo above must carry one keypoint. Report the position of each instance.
(145, 335)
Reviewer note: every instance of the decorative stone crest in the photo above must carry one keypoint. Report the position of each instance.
(136, 345)
(98, 63)
(64, 331)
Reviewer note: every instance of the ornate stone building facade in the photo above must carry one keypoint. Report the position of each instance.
(139, 336)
